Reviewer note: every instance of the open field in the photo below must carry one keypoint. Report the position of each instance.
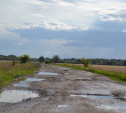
(121, 69)
(113, 72)
(8, 72)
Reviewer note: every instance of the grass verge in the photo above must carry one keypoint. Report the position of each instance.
(9, 73)
(113, 75)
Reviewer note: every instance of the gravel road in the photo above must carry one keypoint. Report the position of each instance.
(70, 91)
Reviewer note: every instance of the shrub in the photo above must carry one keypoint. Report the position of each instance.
(24, 59)
(85, 62)
(47, 61)
(13, 62)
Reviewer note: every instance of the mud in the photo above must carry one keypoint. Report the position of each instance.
(56, 89)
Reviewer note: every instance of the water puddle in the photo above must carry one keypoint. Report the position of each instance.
(14, 96)
(33, 80)
(21, 84)
(62, 106)
(25, 83)
(47, 73)
(94, 96)
(121, 107)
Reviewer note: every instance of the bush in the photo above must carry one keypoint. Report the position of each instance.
(48, 61)
(85, 62)
(13, 62)
(24, 59)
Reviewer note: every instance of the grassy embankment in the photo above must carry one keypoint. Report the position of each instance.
(113, 72)
(8, 73)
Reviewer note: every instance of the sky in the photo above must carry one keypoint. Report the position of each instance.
(68, 28)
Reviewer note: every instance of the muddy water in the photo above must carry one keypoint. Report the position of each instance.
(25, 83)
(14, 96)
(33, 80)
(94, 96)
(21, 84)
(121, 107)
(47, 73)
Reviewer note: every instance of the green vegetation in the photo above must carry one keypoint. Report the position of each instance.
(85, 62)
(41, 59)
(9, 73)
(24, 59)
(124, 63)
(13, 62)
(113, 75)
(47, 61)
(55, 59)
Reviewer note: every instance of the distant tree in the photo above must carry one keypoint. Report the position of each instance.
(124, 63)
(85, 62)
(41, 59)
(55, 59)
(24, 59)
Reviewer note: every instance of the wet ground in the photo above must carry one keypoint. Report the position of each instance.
(56, 89)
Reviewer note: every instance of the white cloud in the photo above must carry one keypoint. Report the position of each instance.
(124, 30)
(79, 13)
(38, 15)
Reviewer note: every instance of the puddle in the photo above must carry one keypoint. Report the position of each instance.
(14, 96)
(47, 73)
(94, 96)
(62, 106)
(33, 80)
(24, 83)
(21, 84)
(121, 107)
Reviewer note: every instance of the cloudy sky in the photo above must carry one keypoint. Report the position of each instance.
(69, 28)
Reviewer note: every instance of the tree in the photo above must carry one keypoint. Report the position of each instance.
(24, 58)
(85, 62)
(41, 59)
(124, 63)
(55, 59)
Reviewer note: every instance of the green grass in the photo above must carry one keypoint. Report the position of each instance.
(113, 75)
(9, 73)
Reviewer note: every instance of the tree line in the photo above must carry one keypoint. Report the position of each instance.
(57, 59)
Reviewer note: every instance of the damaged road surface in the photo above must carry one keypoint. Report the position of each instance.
(56, 89)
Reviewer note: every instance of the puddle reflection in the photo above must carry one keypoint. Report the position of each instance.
(14, 96)
(47, 73)
(93, 96)
(121, 107)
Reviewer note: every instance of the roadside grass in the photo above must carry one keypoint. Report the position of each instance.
(111, 74)
(9, 73)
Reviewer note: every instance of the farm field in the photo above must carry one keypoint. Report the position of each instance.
(121, 69)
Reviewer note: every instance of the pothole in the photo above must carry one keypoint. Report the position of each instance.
(26, 81)
(14, 96)
(33, 80)
(120, 107)
(62, 106)
(47, 73)
(95, 96)
(83, 79)
(21, 84)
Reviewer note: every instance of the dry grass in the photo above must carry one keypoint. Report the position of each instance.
(121, 69)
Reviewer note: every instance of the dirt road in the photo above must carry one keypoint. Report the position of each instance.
(70, 91)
